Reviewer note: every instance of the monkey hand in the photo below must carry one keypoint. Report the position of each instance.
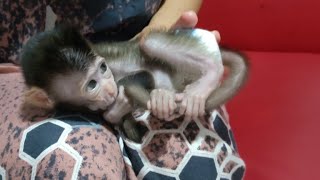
(193, 100)
(192, 106)
(195, 95)
(118, 109)
(162, 104)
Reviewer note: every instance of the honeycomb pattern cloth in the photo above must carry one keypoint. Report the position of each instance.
(68, 145)
(186, 150)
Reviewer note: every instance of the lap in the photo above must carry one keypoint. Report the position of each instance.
(195, 149)
(75, 145)
(53, 146)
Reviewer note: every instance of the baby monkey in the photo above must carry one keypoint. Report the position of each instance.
(176, 72)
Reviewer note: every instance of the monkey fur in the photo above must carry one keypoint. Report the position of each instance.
(174, 56)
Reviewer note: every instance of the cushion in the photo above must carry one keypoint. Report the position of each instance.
(53, 146)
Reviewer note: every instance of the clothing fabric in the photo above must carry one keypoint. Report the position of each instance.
(99, 20)
(71, 145)
(184, 149)
(68, 145)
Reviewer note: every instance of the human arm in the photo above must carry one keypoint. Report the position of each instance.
(8, 68)
(173, 13)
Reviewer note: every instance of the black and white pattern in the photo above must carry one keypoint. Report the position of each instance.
(2, 173)
(44, 137)
(193, 150)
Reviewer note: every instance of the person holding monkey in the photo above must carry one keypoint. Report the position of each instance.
(98, 21)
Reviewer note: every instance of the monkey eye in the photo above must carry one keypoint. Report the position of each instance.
(103, 68)
(91, 85)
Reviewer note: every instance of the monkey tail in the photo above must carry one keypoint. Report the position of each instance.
(237, 65)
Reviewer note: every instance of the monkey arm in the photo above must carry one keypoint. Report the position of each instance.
(137, 87)
(118, 109)
(189, 52)
(139, 94)
(162, 104)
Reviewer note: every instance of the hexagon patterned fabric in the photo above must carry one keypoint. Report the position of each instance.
(68, 145)
(184, 150)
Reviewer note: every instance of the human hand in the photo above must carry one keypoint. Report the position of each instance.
(188, 19)
(118, 109)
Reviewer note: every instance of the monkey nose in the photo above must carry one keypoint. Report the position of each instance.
(110, 90)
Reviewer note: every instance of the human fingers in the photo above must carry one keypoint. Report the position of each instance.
(217, 35)
(188, 19)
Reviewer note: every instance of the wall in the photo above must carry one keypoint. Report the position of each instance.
(268, 25)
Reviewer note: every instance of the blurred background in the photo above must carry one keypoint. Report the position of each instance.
(275, 118)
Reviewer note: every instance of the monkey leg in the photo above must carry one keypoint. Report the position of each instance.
(133, 130)
(162, 104)
(136, 87)
(238, 72)
(192, 48)
(190, 52)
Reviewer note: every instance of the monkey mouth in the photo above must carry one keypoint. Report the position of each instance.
(108, 101)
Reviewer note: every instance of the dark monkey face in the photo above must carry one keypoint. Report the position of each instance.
(95, 89)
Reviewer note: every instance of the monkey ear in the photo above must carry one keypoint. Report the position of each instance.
(38, 98)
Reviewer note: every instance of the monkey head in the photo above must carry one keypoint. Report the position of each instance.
(60, 66)
(94, 89)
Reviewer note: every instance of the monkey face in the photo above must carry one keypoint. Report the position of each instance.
(95, 89)
(99, 87)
